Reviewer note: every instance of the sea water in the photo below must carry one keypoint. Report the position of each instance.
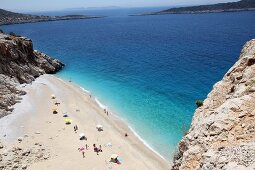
(148, 70)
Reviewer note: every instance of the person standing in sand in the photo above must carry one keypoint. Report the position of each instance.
(82, 150)
(75, 128)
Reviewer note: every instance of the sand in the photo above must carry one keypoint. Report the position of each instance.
(33, 117)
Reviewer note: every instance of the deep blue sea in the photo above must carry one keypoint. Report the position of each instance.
(148, 70)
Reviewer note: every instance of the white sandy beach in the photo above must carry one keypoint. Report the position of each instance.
(34, 114)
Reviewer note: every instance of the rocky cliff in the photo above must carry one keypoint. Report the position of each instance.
(19, 64)
(222, 133)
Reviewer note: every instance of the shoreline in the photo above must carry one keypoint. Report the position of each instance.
(102, 106)
(77, 97)
(195, 12)
(52, 20)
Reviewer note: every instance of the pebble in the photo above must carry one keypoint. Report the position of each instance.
(221, 148)
(23, 166)
(46, 156)
(242, 114)
(25, 153)
(20, 139)
(15, 166)
(17, 160)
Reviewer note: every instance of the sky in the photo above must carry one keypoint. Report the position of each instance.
(49, 5)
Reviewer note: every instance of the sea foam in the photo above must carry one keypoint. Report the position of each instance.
(86, 91)
(100, 104)
(145, 143)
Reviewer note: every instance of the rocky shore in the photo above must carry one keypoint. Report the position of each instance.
(20, 64)
(242, 5)
(8, 17)
(32, 19)
(222, 133)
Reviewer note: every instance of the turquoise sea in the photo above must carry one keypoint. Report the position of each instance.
(148, 70)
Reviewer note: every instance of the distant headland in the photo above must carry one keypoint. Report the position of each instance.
(243, 5)
(8, 17)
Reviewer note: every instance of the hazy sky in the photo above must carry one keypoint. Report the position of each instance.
(45, 5)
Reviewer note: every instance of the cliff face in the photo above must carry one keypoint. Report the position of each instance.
(222, 133)
(19, 64)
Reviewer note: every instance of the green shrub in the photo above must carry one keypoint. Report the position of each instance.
(199, 103)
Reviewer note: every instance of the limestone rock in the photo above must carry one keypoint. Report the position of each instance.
(22, 157)
(20, 139)
(222, 133)
(19, 64)
(23, 166)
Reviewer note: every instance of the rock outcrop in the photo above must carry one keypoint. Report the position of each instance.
(20, 157)
(19, 64)
(222, 133)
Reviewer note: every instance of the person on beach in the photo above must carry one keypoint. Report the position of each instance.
(75, 128)
(86, 146)
(107, 113)
(95, 149)
(126, 135)
(82, 150)
(100, 148)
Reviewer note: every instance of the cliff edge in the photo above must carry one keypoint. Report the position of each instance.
(222, 133)
(20, 63)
